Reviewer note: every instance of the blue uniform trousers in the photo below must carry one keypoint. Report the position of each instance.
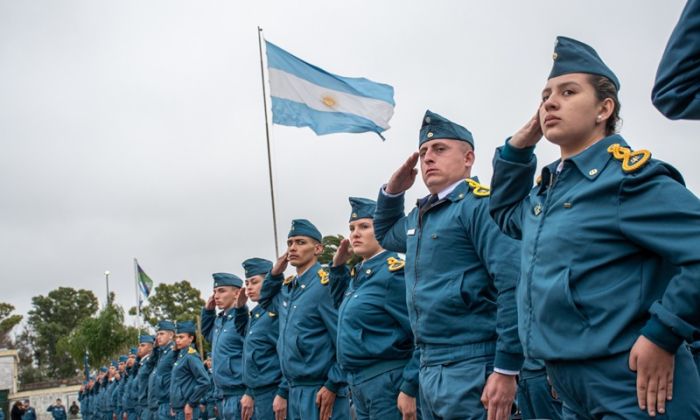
(164, 412)
(535, 399)
(230, 406)
(301, 404)
(453, 391)
(263, 404)
(376, 397)
(606, 388)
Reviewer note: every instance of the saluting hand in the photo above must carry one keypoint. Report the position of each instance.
(498, 396)
(211, 303)
(343, 254)
(247, 405)
(242, 299)
(654, 367)
(407, 406)
(529, 134)
(280, 265)
(325, 399)
(279, 406)
(404, 177)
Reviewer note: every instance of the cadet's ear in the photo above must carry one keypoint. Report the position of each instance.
(318, 248)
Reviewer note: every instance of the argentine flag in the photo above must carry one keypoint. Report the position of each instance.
(304, 95)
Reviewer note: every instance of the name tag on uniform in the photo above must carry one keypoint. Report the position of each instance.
(411, 232)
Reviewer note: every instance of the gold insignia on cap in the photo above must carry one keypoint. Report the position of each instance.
(631, 161)
(430, 134)
(395, 264)
(478, 189)
(354, 215)
(554, 56)
(592, 172)
(323, 275)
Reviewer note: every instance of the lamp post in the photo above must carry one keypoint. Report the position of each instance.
(107, 282)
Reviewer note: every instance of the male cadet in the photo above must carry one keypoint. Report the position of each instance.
(129, 395)
(145, 361)
(266, 391)
(222, 332)
(107, 401)
(119, 387)
(57, 410)
(308, 325)
(461, 273)
(189, 381)
(159, 380)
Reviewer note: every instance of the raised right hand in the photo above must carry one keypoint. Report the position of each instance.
(280, 265)
(343, 254)
(211, 304)
(529, 134)
(404, 177)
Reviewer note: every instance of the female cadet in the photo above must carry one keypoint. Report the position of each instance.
(189, 380)
(610, 257)
(375, 343)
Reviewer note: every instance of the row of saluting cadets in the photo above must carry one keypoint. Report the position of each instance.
(580, 293)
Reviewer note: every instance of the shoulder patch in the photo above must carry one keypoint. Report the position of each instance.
(288, 280)
(477, 189)
(395, 264)
(323, 275)
(631, 161)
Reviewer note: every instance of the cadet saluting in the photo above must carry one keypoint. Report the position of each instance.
(189, 380)
(375, 342)
(609, 251)
(159, 379)
(308, 329)
(461, 273)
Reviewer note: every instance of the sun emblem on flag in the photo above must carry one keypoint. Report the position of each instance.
(328, 101)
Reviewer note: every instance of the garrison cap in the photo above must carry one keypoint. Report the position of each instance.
(133, 351)
(166, 326)
(115, 364)
(302, 227)
(103, 369)
(438, 127)
(362, 208)
(186, 327)
(123, 358)
(256, 266)
(572, 56)
(146, 339)
(226, 279)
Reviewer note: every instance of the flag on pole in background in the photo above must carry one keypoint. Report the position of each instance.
(145, 282)
(304, 95)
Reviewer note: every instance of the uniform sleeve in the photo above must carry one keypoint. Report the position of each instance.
(240, 320)
(500, 255)
(208, 318)
(511, 183)
(339, 279)
(201, 380)
(390, 222)
(395, 306)
(270, 289)
(661, 215)
(329, 315)
(676, 92)
(283, 389)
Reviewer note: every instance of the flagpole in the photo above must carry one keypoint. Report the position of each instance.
(138, 303)
(267, 136)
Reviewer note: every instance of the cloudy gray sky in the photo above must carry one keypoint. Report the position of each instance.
(135, 129)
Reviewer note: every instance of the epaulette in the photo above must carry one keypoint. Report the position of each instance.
(288, 280)
(395, 264)
(631, 161)
(323, 275)
(191, 351)
(477, 189)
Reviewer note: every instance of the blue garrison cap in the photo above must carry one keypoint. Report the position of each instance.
(226, 279)
(256, 266)
(103, 369)
(438, 127)
(133, 351)
(572, 56)
(166, 326)
(146, 339)
(123, 358)
(115, 364)
(186, 327)
(362, 208)
(302, 227)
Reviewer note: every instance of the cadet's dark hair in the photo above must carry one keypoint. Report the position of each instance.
(604, 89)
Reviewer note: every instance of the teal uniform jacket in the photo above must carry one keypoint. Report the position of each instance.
(223, 332)
(308, 326)
(374, 333)
(159, 379)
(261, 362)
(461, 273)
(676, 91)
(189, 380)
(129, 395)
(606, 254)
(146, 365)
(117, 395)
(58, 413)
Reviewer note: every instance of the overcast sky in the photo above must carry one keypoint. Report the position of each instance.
(136, 129)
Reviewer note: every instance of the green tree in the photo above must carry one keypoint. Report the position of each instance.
(53, 317)
(176, 302)
(7, 323)
(330, 246)
(103, 336)
(29, 372)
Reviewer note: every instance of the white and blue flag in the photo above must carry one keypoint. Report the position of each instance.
(304, 95)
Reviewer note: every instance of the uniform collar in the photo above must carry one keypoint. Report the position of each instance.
(374, 262)
(454, 192)
(257, 312)
(306, 276)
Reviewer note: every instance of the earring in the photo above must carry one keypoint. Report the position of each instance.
(598, 118)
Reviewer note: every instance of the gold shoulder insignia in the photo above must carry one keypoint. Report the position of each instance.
(288, 280)
(352, 271)
(395, 264)
(323, 275)
(191, 351)
(631, 161)
(272, 314)
(477, 189)
(538, 180)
